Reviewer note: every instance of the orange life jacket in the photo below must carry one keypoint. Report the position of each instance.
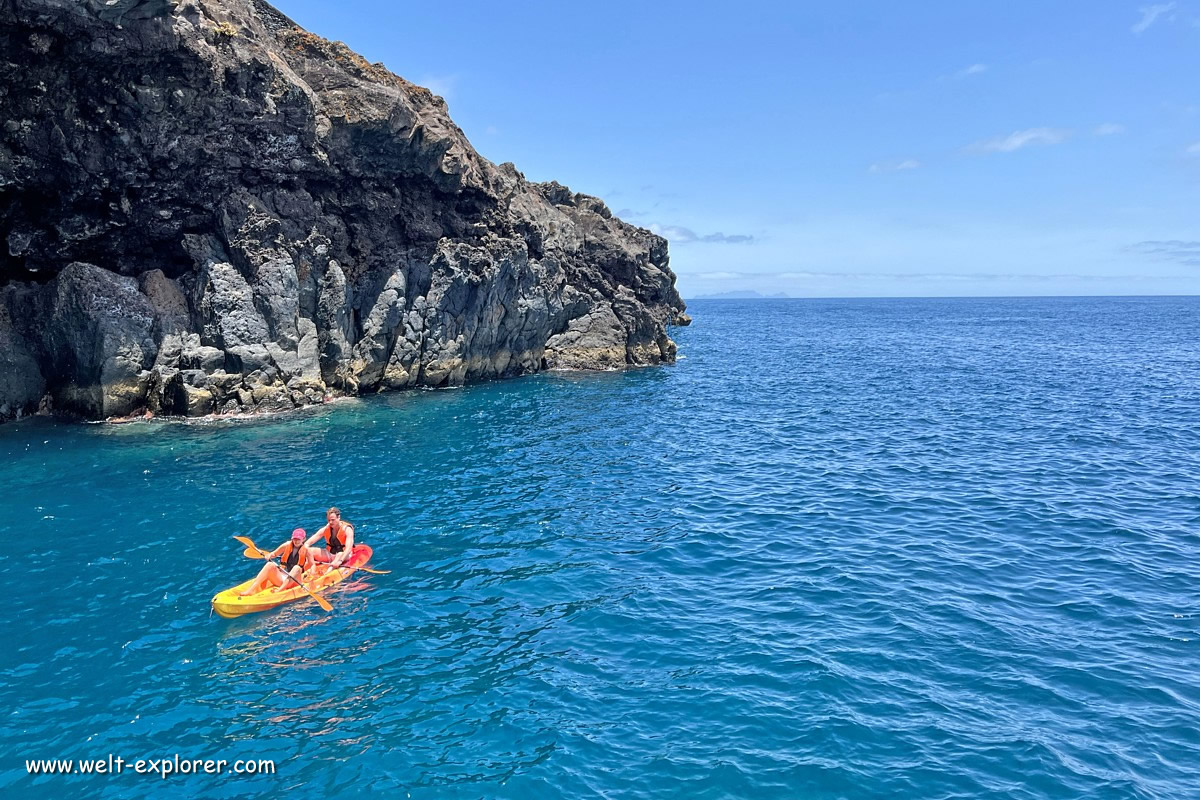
(335, 537)
(293, 555)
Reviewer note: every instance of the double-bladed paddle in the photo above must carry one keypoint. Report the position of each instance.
(253, 551)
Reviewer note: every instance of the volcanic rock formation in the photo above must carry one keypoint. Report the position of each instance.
(206, 209)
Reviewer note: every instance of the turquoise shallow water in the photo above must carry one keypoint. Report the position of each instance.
(860, 549)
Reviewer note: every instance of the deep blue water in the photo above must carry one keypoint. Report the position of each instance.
(843, 549)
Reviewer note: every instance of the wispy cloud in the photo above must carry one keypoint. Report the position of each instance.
(1178, 250)
(894, 166)
(1151, 15)
(925, 276)
(1109, 129)
(442, 85)
(965, 72)
(1188, 110)
(677, 234)
(1193, 149)
(1019, 139)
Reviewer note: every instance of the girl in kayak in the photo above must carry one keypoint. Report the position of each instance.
(295, 558)
(339, 539)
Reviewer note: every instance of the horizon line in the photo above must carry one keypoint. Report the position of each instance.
(946, 297)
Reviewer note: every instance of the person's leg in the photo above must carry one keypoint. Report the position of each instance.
(321, 559)
(278, 577)
(296, 572)
(260, 580)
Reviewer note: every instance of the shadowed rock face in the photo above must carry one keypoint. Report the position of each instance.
(204, 208)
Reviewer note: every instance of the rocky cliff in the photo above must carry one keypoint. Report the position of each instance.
(206, 209)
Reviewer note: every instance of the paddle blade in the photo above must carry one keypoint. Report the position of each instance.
(252, 550)
(321, 601)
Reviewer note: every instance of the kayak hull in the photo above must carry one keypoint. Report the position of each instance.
(229, 604)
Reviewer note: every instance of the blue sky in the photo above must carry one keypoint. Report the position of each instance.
(839, 149)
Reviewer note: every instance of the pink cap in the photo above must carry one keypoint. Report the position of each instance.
(298, 533)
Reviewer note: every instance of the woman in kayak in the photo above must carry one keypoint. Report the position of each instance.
(339, 539)
(295, 558)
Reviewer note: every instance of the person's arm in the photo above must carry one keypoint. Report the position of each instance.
(278, 551)
(344, 556)
(320, 533)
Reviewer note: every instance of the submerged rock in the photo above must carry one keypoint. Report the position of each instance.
(205, 208)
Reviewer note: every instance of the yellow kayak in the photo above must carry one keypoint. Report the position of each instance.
(229, 604)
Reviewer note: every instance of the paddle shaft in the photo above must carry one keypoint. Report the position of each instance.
(344, 565)
(254, 551)
(321, 601)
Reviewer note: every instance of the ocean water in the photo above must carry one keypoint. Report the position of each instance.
(842, 549)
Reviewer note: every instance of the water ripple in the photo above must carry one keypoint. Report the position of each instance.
(935, 549)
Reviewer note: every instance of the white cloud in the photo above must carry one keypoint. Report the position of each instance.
(1193, 150)
(1180, 250)
(894, 166)
(1018, 139)
(896, 253)
(965, 72)
(677, 234)
(442, 85)
(1108, 129)
(792, 275)
(1150, 15)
